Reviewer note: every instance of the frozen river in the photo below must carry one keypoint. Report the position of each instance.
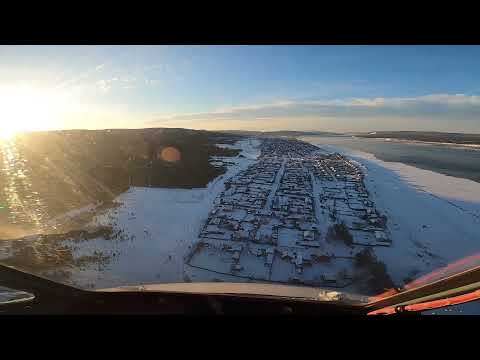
(458, 161)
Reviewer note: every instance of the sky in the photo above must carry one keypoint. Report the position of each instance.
(325, 88)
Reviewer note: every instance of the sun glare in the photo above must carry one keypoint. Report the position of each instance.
(7, 133)
(25, 109)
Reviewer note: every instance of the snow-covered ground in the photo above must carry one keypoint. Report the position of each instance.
(72, 215)
(162, 225)
(434, 219)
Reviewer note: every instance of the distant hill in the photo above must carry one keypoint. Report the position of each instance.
(291, 133)
(430, 136)
(48, 173)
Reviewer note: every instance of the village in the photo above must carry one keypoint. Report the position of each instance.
(298, 215)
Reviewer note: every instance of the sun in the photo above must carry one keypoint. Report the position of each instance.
(24, 109)
(7, 132)
(14, 123)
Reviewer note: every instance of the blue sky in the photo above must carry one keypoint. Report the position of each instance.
(336, 88)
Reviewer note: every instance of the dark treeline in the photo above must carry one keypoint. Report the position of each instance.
(52, 172)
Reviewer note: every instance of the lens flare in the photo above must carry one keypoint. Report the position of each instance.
(171, 154)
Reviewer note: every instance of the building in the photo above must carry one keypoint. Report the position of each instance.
(309, 235)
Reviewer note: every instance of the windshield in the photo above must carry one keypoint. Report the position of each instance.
(353, 169)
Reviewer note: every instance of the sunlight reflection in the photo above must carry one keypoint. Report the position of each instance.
(24, 206)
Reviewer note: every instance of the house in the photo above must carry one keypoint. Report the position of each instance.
(343, 274)
(241, 235)
(298, 260)
(275, 235)
(237, 267)
(270, 254)
(309, 235)
(380, 236)
(329, 278)
(256, 251)
(262, 237)
(232, 225)
(308, 226)
(235, 247)
(264, 212)
(215, 221)
(307, 259)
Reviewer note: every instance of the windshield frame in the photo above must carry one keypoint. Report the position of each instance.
(456, 284)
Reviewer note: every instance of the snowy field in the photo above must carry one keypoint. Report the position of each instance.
(434, 219)
(162, 224)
